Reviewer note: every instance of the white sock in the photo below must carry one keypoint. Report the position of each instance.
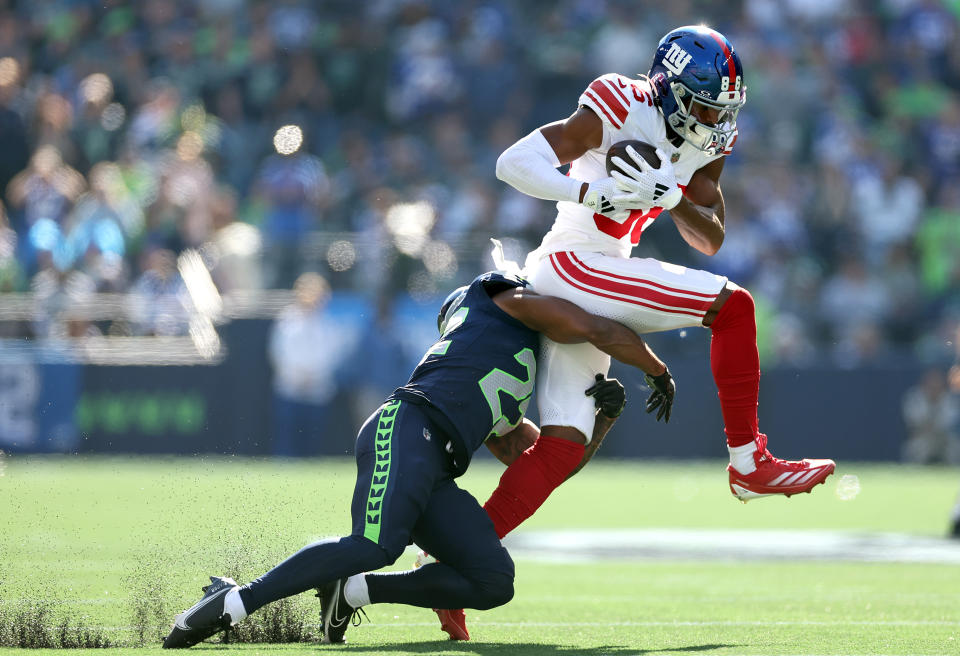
(355, 591)
(233, 606)
(741, 457)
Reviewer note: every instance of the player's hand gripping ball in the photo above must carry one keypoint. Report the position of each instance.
(643, 172)
(619, 150)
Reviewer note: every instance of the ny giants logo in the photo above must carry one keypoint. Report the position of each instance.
(676, 60)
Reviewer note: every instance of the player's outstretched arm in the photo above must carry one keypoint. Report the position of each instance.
(699, 214)
(566, 323)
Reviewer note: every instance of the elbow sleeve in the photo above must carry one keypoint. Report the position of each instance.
(530, 166)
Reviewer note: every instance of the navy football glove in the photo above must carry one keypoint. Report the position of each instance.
(664, 390)
(609, 395)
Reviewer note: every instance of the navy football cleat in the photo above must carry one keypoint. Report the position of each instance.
(204, 619)
(335, 612)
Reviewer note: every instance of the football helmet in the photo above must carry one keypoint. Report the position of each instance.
(699, 84)
(450, 305)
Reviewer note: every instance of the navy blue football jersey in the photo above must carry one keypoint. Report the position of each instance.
(481, 373)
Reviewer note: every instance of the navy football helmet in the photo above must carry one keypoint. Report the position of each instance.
(697, 74)
(450, 305)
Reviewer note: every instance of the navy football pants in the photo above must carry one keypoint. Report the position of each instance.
(405, 492)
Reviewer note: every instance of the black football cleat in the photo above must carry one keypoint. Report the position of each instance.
(204, 619)
(335, 612)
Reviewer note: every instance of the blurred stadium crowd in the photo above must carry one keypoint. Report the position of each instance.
(358, 140)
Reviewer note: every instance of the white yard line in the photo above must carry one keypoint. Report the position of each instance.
(728, 623)
(738, 545)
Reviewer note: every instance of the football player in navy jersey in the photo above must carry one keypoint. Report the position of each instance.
(471, 387)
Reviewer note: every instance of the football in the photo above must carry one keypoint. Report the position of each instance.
(619, 149)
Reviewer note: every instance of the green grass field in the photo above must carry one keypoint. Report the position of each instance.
(118, 546)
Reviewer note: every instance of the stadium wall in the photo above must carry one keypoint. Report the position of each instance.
(48, 407)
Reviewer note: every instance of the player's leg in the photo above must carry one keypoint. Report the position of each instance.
(473, 568)
(565, 371)
(735, 363)
(396, 472)
(567, 417)
(648, 295)
(630, 291)
(532, 477)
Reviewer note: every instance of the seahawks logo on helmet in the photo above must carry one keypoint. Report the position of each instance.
(449, 307)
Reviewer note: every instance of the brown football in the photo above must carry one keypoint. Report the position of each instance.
(619, 149)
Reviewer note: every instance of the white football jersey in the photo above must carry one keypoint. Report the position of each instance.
(626, 108)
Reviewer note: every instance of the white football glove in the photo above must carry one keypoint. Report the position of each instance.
(645, 185)
(604, 196)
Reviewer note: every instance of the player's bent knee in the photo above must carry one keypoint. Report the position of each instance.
(738, 307)
(373, 555)
(494, 590)
(742, 300)
(746, 295)
(391, 554)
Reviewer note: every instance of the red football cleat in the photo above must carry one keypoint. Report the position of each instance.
(776, 476)
(454, 622)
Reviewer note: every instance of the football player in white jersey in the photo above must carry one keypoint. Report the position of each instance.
(687, 108)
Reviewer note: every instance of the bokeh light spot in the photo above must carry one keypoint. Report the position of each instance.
(96, 89)
(288, 139)
(9, 71)
(113, 117)
(189, 146)
(440, 259)
(341, 255)
(410, 224)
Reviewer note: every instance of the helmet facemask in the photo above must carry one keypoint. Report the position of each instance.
(711, 139)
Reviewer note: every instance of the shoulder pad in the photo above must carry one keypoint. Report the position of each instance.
(610, 96)
(501, 280)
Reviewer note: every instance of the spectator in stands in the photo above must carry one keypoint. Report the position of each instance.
(294, 188)
(13, 133)
(932, 415)
(55, 292)
(233, 252)
(46, 189)
(888, 205)
(853, 299)
(953, 379)
(396, 100)
(938, 243)
(306, 349)
(379, 354)
(10, 273)
(159, 302)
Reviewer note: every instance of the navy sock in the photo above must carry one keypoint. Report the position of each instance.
(313, 566)
(440, 586)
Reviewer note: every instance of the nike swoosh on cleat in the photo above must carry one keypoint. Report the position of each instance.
(339, 620)
(182, 617)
